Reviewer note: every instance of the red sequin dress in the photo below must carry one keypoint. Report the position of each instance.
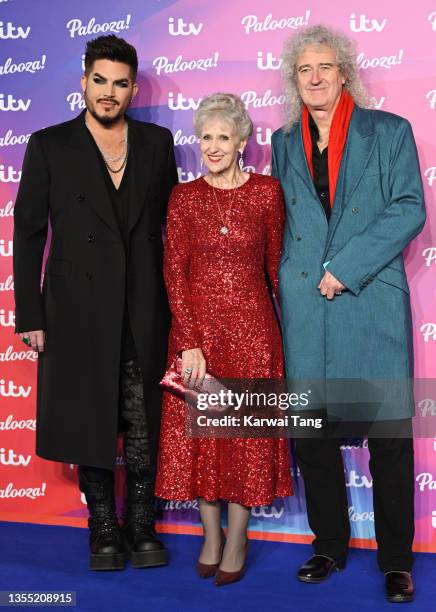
(220, 302)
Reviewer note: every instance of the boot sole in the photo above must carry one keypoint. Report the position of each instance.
(107, 562)
(149, 558)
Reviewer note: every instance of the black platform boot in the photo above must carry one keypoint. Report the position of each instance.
(144, 549)
(105, 541)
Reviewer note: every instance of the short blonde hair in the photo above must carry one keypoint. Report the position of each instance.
(228, 108)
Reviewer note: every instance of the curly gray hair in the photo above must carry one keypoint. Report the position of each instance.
(228, 108)
(345, 51)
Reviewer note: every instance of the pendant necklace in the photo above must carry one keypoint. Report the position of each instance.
(224, 229)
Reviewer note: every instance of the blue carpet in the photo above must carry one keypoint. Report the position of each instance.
(38, 558)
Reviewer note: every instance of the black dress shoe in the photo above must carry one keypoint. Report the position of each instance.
(399, 587)
(319, 568)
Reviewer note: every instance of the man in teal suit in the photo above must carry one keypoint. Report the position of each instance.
(354, 201)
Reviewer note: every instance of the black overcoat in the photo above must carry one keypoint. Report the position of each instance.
(83, 294)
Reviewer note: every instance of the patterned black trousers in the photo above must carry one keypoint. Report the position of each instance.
(133, 424)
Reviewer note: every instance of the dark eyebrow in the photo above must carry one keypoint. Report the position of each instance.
(100, 76)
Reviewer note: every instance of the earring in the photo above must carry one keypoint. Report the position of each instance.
(241, 162)
(201, 163)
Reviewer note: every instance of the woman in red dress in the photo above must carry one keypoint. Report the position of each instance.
(224, 231)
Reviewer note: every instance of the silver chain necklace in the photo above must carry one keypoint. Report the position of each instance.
(224, 229)
(106, 158)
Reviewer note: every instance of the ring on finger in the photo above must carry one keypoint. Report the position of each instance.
(188, 370)
(26, 340)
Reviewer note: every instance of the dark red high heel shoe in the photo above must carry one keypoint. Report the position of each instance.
(222, 578)
(207, 570)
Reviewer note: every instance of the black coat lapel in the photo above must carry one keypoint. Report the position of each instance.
(141, 160)
(89, 172)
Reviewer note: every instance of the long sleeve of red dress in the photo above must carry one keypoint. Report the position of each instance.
(176, 274)
(275, 217)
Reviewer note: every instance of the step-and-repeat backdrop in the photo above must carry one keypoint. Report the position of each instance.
(189, 49)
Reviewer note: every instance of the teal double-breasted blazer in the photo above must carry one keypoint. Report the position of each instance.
(365, 333)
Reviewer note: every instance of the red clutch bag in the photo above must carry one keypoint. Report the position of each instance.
(174, 383)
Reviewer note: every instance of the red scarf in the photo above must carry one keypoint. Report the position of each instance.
(337, 137)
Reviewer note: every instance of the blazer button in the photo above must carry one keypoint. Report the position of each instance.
(80, 197)
(298, 238)
(91, 238)
(354, 210)
(293, 201)
(304, 274)
(152, 237)
(89, 276)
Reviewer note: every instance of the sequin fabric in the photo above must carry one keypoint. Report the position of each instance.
(220, 302)
(139, 470)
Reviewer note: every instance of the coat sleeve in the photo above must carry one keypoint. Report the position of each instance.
(176, 273)
(30, 235)
(275, 218)
(390, 232)
(171, 177)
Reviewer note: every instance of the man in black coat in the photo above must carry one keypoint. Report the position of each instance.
(101, 321)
